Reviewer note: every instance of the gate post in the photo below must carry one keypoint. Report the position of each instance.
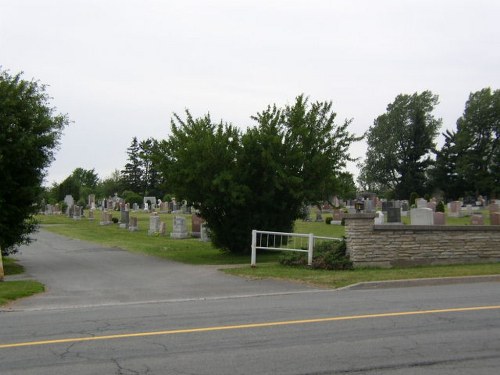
(254, 248)
(310, 249)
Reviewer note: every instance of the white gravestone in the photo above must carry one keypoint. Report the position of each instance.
(379, 219)
(421, 216)
(204, 233)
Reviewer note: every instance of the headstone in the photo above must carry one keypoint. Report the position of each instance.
(164, 207)
(135, 207)
(394, 215)
(432, 206)
(439, 218)
(105, 218)
(454, 209)
(196, 222)
(405, 206)
(369, 206)
(384, 206)
(77, 213)
(91, 215)
(495, 218)
(163, 228)
(179, 228)
(421, 203)
(336, 202)
(204, 233)
(494, 208)
(421, 216)
(477, 220)
(319, 217)
(150, 203)
(337, 217)
(91, 201)
(68, 199)
(124, 219)
(132, 225)
(379, 218)
(154, 224)
(469, 209)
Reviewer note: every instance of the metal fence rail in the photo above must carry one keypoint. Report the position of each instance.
(280, 241)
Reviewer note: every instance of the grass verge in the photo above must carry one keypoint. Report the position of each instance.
(12, 290)
(338, 279)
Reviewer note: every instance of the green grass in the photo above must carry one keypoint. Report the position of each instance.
(11, 267)
(191, 251)
(337, 279)
(12, 290)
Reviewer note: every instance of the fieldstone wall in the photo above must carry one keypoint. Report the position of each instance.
(407, 245)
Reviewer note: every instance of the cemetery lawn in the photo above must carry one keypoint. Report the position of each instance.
(190, 251)
(12, 290)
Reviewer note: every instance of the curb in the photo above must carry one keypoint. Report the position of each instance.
(423, 282)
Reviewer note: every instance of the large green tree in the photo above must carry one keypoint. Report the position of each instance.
(261, 178)
(400, 143)
(477, 142)
(29, 132)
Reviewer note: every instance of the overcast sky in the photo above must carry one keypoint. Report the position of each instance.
(119, 69)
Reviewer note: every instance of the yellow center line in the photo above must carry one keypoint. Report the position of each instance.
(247, 326)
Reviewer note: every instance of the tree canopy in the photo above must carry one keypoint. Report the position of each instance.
(400, 143)
(260, 178)
(469, 161)
(29, 132)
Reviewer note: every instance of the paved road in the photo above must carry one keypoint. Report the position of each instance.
(425, 330)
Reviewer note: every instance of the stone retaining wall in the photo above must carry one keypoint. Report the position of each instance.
(407, 245)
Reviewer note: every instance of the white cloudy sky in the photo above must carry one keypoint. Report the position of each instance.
(119, 69)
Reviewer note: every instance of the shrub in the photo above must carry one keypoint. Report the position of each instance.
(413, 198)
(327, 255)
(132, 197)
(114, 220)
(440, 207)
(328, 220)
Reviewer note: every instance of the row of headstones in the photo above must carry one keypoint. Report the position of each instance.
(199, 228)
(426, 216)
(158, 227)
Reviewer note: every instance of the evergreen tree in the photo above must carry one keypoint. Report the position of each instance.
(132, 174)
(400, 143)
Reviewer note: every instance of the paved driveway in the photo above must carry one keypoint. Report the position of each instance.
(79, 273)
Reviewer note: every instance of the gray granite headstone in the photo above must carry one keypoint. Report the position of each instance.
(394, 215)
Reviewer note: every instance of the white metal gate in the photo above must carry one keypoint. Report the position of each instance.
(280, 241)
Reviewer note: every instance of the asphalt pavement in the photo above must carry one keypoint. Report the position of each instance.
(79, 273)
